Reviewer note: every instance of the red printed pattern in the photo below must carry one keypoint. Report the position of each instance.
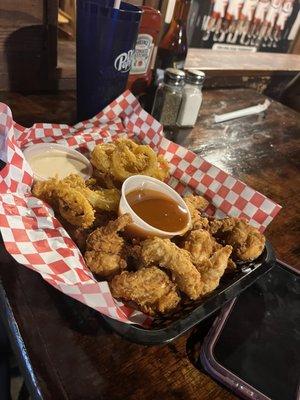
(36, 239)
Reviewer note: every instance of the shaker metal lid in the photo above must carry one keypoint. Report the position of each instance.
(195, 76)
(176, 75)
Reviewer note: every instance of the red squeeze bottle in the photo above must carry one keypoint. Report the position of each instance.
(140, 75)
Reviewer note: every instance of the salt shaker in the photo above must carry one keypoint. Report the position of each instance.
(191, 99)
(168, 97)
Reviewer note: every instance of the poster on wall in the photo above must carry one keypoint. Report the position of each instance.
(244, 25)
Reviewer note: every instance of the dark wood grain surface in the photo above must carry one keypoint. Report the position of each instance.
(73, 353)
(28, 45)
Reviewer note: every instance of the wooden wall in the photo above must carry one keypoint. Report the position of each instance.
(28, 44)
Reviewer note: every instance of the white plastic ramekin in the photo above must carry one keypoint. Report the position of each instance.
(139, 227)
(45, 148)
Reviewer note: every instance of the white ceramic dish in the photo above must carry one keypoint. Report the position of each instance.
(45, 150)
(139, 227)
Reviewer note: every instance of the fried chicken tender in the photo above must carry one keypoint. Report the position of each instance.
(115, 162)
(200, 244)
(196, 204)
(105, 248)
(177, 261)
(213, 269)
(78, 235)
(231, 266)
(150, 288)
(247, 242)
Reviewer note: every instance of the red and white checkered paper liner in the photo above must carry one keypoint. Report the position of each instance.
(36, 239)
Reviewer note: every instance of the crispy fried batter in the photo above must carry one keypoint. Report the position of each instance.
(200, 244)
(100, 199)
(105, 248)
(111, 228)
(247, 242)
(134, 256)
(74, 181)
(128, 160)
(196, 204)
(102, 218)
(212, 269)
(177, 261)
(231, 266)
(74, 207)
(221, 225)
(115, 162)
(104, 199)
(104, 265)
(63, 196)
(74, 200)
(47, 191)
(78, 235)
(150, 288)
(101, 156)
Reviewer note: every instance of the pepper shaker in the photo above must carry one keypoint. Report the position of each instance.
(168, 97)
(191, 99)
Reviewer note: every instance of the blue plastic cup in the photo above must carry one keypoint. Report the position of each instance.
(105, 44)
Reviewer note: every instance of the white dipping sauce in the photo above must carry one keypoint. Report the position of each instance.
(55, 162)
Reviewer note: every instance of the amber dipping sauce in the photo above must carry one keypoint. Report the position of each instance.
(158, 210)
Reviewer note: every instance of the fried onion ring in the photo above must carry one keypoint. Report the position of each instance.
(101, 156)
(115, 162)
(142, 160)
(75, 208)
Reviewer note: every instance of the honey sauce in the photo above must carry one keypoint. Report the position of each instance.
(158, 210)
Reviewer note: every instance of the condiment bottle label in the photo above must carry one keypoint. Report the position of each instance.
(142, 55)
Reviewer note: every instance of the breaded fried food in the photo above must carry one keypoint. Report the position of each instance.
(74, 200)
(150, 288)
(74, 207)
(213, 269)
(231, 266)
(115, 162)
(133, 256)
(247, 242)
(101, 159)
(47, 191)
(200, 244)
(78, 235)
(100, 199)
(196, 204)
(105, 248)
(177, 261)
(102, 218)
(66, 200)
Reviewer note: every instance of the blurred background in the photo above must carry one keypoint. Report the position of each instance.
(37, 44)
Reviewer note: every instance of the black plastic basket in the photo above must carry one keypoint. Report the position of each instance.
(166, 329)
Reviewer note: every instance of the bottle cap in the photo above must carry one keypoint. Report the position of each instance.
(195, 77)
(174, 76)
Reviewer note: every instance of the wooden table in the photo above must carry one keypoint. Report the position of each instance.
(65, 349)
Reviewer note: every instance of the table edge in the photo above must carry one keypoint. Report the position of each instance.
(18, 346)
